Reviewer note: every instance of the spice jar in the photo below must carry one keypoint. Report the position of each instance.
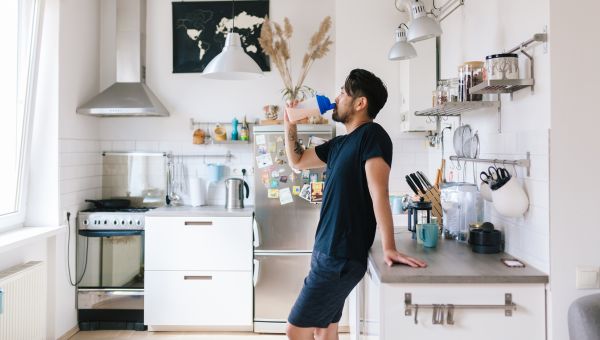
(469, 74)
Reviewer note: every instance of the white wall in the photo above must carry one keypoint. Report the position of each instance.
(365, 34)
(574, 236)
(481, 28)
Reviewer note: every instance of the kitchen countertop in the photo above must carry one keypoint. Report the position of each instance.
(449, 262)
(209, 210)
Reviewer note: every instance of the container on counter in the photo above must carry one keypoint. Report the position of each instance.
(462, 205)
(502, 66)
(470, 74)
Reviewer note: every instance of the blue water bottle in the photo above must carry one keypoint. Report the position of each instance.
(234, 131)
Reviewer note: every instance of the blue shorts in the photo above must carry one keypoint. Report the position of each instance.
(325, 289)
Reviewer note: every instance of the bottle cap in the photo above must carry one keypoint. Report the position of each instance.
(324, 104)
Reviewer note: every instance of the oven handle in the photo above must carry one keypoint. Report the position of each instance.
(109, 233)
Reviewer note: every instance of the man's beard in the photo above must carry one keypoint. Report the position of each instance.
(337, 118)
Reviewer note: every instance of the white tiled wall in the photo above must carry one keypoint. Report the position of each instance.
(410, 155)
(198, 165)
(80, 173)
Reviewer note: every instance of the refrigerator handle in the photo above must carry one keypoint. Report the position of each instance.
(256, 272)
(256, 234)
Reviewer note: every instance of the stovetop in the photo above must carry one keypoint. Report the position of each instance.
(112, 219)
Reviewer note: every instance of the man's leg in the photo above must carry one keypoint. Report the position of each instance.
(299, 333)
(329, 333)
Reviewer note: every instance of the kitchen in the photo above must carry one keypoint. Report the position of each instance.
(67, 148)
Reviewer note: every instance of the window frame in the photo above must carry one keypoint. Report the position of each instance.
(17, 219)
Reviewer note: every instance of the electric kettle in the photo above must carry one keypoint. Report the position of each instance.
(234, 193)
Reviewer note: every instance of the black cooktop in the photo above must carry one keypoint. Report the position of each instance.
(129, 210)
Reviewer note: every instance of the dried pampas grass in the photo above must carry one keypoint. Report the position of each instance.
(275, 42)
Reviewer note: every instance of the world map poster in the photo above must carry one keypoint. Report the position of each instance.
(200, 29)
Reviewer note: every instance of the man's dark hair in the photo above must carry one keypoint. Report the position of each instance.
(362, 83)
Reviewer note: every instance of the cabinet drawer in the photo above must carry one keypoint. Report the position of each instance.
(198, 298)
(198, 243)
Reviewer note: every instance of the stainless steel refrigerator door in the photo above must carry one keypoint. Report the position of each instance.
(287, 227)
(278, 280)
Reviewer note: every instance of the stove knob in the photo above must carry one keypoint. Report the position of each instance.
(86, 222)
(115, 222)
(122, 222)
(130, 222)
(138, 222)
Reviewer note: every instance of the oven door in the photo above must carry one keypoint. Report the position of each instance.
(110, 267)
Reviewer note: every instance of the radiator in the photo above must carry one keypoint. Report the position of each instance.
(23, 306)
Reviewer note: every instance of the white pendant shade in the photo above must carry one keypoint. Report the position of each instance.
(402, 49)
(421, 26)
(232, 63)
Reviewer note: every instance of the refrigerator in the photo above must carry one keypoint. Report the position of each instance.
(284, 225)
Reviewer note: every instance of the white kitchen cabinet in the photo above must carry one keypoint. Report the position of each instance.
(198, 298)
(417, 82)
(198, 243)
(383, 311)
(198, 273)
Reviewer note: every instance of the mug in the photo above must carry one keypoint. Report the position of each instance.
(215, 172)
(510, 199)
(429, 234)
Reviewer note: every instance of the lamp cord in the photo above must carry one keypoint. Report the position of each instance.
(233, 16)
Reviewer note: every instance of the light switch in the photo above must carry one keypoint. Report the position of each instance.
(587, 278)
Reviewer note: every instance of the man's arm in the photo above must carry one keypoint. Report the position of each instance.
(298, 158)
(378, 174)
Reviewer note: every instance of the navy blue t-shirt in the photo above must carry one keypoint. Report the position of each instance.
(347, 223)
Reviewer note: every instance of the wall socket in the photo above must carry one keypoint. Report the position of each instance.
(587, 277)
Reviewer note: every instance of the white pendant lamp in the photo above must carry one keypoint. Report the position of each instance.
(422, 26)
(233, 63)
(402, 49)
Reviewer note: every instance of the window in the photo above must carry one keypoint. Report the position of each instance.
(19, 26)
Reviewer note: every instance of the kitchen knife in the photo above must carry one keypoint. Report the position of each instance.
(412, 185)
(425, 180)
(415, 179)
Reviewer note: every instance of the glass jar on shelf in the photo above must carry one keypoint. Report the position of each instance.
(470, 73)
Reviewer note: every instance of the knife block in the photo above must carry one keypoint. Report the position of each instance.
(433, 195)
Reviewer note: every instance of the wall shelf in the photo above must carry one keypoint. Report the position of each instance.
(455, 109)
(526, 163)
(501, 86)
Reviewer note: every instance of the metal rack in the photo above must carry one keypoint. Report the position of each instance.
(438, 309)
(526, 163)
(455, 109)
(512, 85)
(206, 125)
(227, 156)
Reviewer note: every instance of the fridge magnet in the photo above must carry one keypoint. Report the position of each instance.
(273, 193)
(261, 149)
(305, 192)
(264, 161)
(201, 27)
(305, 174)
(260, 140)
(283, 179)
(280, 161)
(316, 191)
(265, 178)
(274, 184)
(314, 177)
(285, 196)
(272, 147)
(275, 174)
(296, 190)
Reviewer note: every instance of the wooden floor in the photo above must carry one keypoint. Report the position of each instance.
(133, 335)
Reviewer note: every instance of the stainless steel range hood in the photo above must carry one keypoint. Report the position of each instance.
(129, 95)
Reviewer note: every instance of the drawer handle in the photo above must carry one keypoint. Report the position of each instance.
(198, 223)
(197, 277)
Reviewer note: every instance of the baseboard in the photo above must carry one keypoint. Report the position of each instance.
(69, 333)
(199, 328)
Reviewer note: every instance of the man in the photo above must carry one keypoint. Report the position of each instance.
(355, 201)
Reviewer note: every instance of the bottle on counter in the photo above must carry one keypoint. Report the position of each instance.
(245, 131)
